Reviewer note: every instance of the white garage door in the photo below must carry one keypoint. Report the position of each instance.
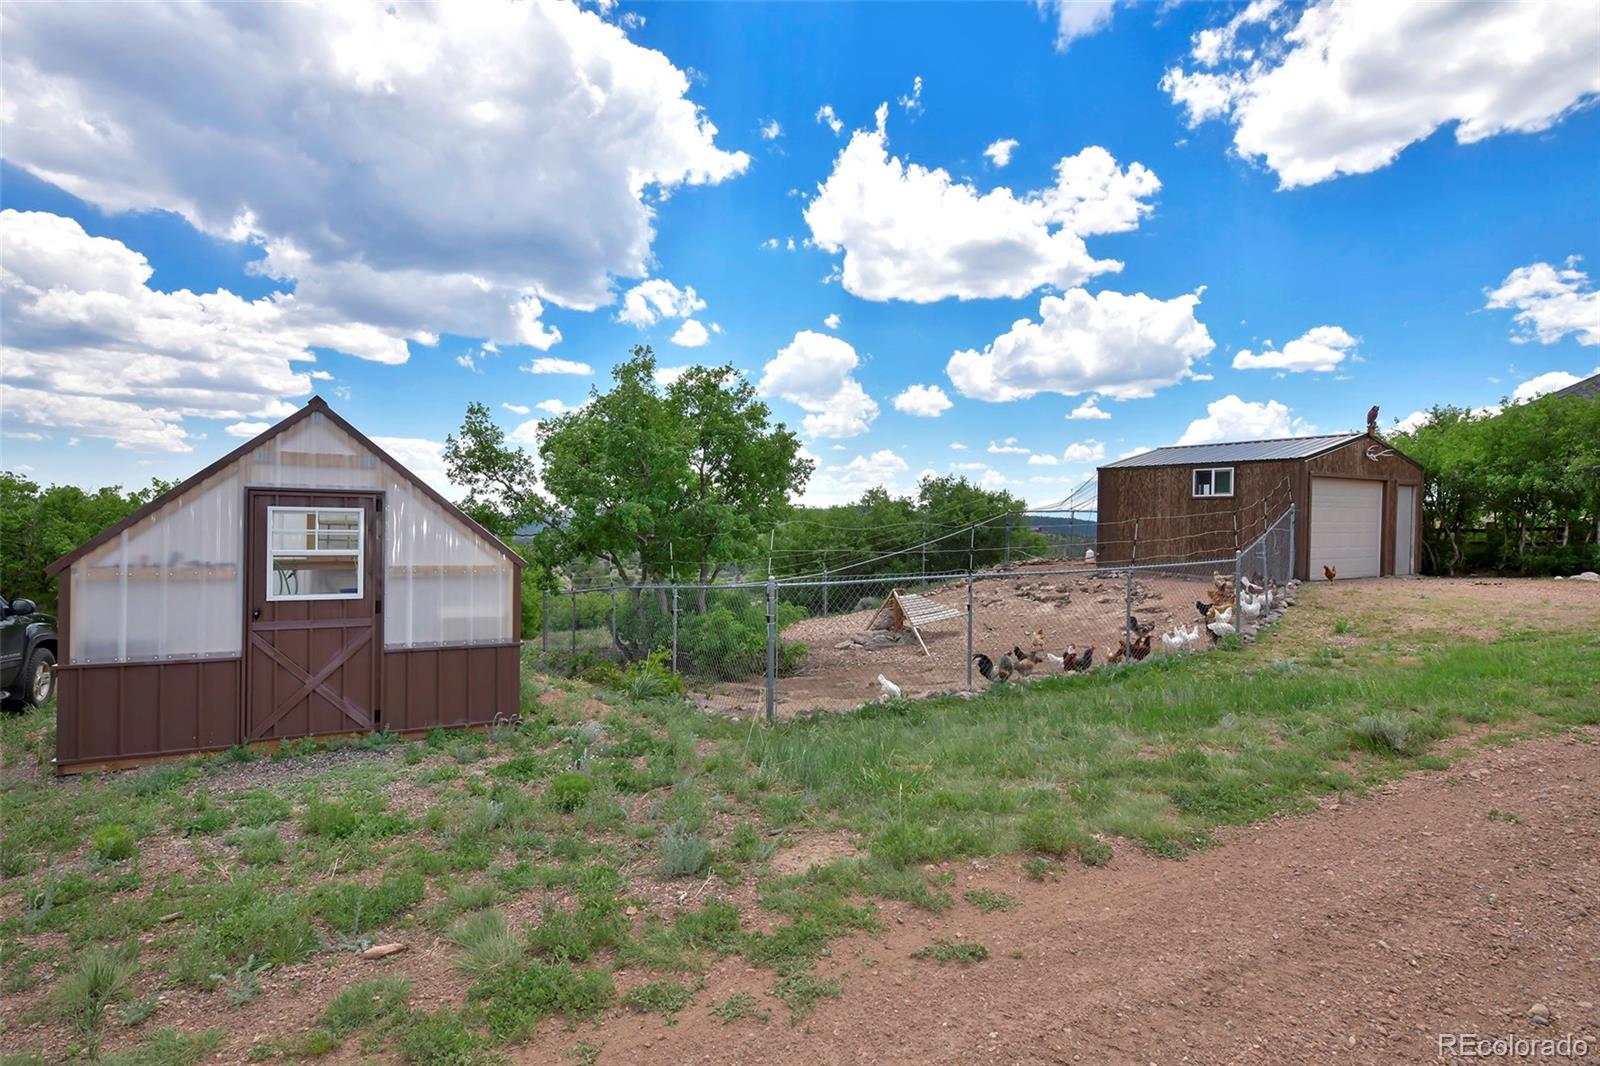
(1346, 526)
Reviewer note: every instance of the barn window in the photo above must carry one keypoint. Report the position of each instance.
(314, 553)
(1213, 481)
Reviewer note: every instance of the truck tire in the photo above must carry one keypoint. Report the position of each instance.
(37, 681)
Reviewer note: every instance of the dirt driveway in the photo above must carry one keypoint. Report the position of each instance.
(1447, 902)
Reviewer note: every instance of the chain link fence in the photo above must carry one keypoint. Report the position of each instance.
(825, 643)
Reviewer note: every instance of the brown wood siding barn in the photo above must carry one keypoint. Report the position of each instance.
(1149, 511)
(305, 584)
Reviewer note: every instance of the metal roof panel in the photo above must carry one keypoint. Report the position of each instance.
(1244, 451)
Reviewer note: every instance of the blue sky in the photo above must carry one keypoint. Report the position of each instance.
(401, 211)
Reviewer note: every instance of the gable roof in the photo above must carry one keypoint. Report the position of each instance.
(1243, 451)
(316, 403)
(1589, 386)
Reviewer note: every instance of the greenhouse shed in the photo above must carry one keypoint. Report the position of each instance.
(305, 584)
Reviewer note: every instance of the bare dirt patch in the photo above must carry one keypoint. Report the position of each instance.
(1072, 604)
(1355, 934)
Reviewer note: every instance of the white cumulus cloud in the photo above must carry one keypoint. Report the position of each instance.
(826, 116)
(832, 321)
(691, 334)
(924, 401)
(89, 347)
(1088, 411)
(422, 457)
(1551, 302)
(547, 365)
(914, 234)
(1009, 446)
(1111, 343)
(1538, 386)
(1321, 349)
(1089, 451)
(651, 301)
(1231, 418)
(1343, 88)
(843, 482)
(517, 408)
(1076, 18)
(999, 152)
(814, 371)
(317, 132)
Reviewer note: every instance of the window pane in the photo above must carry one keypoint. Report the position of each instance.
(293, 539)
(338, 519)
(1224, 482)
(302, 575)
(1202, 482)
(338, 541)
(285, 518)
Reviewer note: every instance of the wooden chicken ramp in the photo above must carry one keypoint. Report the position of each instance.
(907, 610)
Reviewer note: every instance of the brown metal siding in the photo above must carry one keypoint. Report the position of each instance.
(427, 688)
(1173, 522)
(145, 710)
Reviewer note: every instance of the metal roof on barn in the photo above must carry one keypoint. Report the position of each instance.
(1589, 386)
(1243, 451)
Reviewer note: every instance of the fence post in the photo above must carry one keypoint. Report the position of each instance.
(824, 586)
(544, 621)
(1238, 615)
(1292, 561)
(972, 541)
(772, 645)
(614, 642)
(1008, 538)
(1263, 564)
(969, 630)
(1127, 618)
(674, 628)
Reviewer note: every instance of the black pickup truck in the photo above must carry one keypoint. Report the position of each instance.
(27, 653)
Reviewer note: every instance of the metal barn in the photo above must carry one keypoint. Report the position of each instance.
(1357, 501)
(305, 584)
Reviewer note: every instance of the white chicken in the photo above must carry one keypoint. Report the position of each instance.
(1055, 660)
(1191, 636)
(1251, 606)
(1221, 629)
(1225, 617)
(1173, 641)
(890, 690)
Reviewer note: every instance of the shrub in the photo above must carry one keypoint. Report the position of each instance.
(98, 978)
(568, 791)
(1050, 832)
(113, 842)
(486, 941)
(170, 1046)
(652, 678)
(683, 854)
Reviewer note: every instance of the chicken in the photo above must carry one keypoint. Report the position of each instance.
(986, 668)
(888, 689)
(1055, 660)
(1037, 643)
(1204, 609)
(1218, 630)
(1225, 617)
(1024, 665)
(1173, 641)
(1116, 655)
(1251, 606)
(1191, 636)
(1081, 663)
(1141, 647)
(1329, 572)
(1141, 628)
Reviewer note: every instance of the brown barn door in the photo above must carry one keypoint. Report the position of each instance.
(313, 613)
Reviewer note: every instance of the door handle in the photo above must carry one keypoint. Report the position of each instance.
(255, 615)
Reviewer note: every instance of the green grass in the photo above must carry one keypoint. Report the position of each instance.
(988, 902)
(543, 820)
(963, 952)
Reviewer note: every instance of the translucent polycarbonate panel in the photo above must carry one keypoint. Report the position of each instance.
(171, 586)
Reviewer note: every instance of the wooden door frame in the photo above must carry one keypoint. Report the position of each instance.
(379, 573)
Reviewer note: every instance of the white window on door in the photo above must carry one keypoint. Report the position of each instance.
(315, 553)
(1213, 481)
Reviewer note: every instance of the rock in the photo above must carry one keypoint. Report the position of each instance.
(844, 645)
(174, 916)
(382, 951)
(1540, 1014)
(1587, 575)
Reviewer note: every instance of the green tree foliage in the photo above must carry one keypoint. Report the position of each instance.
(1516, 491)
(946, 511)
(39, 524)
(658, 482)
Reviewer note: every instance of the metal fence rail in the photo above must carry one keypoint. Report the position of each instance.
(830, 642)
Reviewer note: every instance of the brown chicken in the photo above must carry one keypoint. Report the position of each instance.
(1329, 572)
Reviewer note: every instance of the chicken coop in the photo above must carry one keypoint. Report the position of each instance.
(1357, 503)
(305, 584)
